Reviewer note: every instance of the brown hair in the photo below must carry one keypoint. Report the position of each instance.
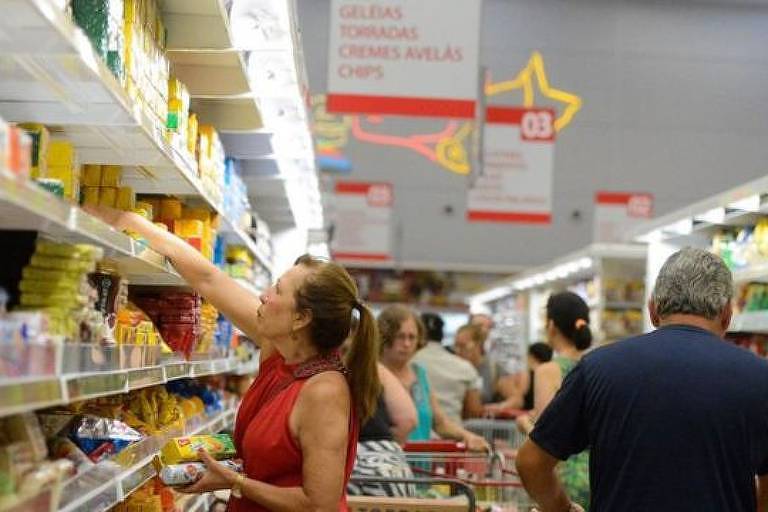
(330, 294)
(476, 334)
(390, 320)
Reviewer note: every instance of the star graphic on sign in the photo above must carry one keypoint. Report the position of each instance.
(525, 81)
(446, 146)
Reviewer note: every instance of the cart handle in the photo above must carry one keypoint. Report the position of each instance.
(435, 445)
(462, 487)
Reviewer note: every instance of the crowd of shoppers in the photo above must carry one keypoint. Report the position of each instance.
(675, 419)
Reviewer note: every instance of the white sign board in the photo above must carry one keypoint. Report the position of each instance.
(404, 57)
(618, 213)
(363, 214)
(516, 183)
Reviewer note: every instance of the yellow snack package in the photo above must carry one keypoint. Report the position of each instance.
(92, 175)
(61, 153)
(108, 196)
(184, 449)
(126, 198)
(69, 177)
(110, 175)
(91, 196)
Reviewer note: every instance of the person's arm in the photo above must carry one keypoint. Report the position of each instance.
(448, 429)
(537, 472)
(512, 385)
(321, 418)
(762, 493)
(473, 404)
(234, 301)
(399, 404)
(547, 380)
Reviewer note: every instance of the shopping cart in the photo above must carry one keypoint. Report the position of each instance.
(432, 495)
(496, 488)
(501, 433)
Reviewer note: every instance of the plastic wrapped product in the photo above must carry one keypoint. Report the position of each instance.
(184, 449)
(190, 472)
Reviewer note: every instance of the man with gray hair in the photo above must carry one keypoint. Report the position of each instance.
(676, 419)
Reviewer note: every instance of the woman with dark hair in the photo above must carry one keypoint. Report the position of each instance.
(297, 426)
(569, 335)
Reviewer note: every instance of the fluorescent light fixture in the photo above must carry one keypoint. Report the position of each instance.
(490, 295)
(654, 236)
(713, 216)
(681, 227)
(261, 25)
(748, 204)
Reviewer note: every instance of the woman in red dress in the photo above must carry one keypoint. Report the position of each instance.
(297, 426)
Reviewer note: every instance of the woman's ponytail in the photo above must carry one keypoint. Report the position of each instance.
(361, 361)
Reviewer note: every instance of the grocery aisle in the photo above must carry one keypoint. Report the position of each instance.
(106, 353)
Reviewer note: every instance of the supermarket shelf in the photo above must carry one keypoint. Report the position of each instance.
(118, 487)
(203, 56)
(234, 234)
(25, 206)
(623, 305)
(51, 75)
(750, 321)
(29, 393)
(754, 273)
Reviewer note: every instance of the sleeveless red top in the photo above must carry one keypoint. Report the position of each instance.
(262, 434)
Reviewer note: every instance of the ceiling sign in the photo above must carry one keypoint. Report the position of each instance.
(516, 183)
(362, 222)
(404, 57)
(617, 213)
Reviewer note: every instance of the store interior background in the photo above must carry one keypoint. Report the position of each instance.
(674, 104)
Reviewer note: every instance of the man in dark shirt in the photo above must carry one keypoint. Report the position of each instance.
(676, 419)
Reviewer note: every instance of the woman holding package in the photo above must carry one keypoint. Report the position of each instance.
(297, 426)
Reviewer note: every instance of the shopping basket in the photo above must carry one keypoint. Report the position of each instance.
(495, 487)
(434, 495)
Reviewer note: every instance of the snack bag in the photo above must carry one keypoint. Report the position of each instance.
(184, 449)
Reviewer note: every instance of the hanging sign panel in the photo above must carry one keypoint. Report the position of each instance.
(363, 214)
(404, 57)
(618, 213)
(516, 183)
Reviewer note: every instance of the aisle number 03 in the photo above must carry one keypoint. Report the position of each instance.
(537, 125)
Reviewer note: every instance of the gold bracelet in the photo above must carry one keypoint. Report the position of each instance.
(237, 486)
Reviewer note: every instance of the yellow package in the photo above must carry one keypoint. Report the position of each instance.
(111, 175)
(192, 127)
(52, 262)
(184, 449)
(126, 198)
(197, 214)
(170, 209)
(91, 196)
(41, 274)
(35, 286)
(108, 196)
(70, 179)
(92, 175)
(61, 153)
(73, 251)
(186, 228)
(148, 207)
(71, 300)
